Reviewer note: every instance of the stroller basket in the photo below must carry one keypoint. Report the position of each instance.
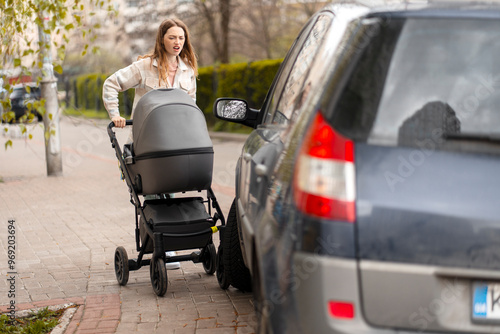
(172, 150)
(177, 219)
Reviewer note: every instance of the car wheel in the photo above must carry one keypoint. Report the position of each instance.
(158, 274)
(222, 277)
(121, 265)
(234, 266)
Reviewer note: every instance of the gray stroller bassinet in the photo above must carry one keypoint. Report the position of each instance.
(171, 149)
(171, 152)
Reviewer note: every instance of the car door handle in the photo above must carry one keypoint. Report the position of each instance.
(261, 170)
(247, 157)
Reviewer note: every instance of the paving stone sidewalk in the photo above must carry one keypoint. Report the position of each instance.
(67, 229)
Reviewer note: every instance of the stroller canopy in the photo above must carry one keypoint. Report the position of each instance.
(167, 120)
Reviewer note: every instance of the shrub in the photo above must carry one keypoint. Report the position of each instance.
(261, 75)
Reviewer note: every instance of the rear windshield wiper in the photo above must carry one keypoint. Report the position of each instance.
(483, 137)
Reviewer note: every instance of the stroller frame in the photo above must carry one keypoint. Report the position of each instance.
(158, 272)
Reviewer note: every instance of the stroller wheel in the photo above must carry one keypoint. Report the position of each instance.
(121, 265)
(221, 274)
(210, 259)
(158, 273)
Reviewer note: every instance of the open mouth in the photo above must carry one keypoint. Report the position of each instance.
(177, 48)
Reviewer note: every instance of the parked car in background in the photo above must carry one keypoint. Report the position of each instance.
(3, 96)
(23, 103)
(367, 196)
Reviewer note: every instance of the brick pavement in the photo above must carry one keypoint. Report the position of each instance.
(67, 229)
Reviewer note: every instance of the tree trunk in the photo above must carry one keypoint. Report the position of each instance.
(225, 10)
(53, 155)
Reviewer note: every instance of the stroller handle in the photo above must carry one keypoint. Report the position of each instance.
(111, 125)
(127, 122)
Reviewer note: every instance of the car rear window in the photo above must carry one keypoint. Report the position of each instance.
(420, 79)
(17, 93)
(20, 92)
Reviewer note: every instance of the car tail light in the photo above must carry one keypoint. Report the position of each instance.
(341, 310)
(324, 183)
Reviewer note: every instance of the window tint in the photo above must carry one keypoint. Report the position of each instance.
(288, 87)
(421, 79)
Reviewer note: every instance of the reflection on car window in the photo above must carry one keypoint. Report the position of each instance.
(421, 78)
(294, 87)
(274, 111)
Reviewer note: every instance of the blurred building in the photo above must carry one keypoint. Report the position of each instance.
(132, 32)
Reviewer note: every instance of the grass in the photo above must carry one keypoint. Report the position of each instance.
(87, 113)
(40, 322)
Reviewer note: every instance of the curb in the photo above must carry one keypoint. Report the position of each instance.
(228, 136)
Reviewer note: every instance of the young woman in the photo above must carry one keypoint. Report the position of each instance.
(172, 64)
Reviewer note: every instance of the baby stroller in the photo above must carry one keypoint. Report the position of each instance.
(171, 153)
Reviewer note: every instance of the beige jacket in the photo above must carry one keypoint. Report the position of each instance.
(144, 77)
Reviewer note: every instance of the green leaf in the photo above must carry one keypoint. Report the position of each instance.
(58, 69)
(8, 143)
(69, 26)
(17, 62)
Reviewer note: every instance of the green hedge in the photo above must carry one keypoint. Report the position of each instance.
(88, 94)
(249, 81)
(205, 92)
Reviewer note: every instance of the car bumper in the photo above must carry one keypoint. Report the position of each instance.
(321, 279)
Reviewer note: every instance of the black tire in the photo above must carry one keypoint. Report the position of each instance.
(234, 266)
(121, 265)
(158, 273)
(210, 259)
(222, 278)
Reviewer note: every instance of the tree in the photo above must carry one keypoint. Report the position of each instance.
(244, 30)
(24, 53)
(267, 28)
(216, 16)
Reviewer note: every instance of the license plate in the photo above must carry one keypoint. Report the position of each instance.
(486, 301)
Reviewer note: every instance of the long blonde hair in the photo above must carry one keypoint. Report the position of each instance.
(187, 54)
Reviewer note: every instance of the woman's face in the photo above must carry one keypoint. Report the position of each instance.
(174, 40)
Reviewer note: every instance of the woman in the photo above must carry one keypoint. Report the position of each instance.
(172, 64)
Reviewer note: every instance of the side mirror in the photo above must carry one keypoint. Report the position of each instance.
(231, 110)
(235, 110)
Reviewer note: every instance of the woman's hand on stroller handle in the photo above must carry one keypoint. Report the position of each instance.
(119, 121)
